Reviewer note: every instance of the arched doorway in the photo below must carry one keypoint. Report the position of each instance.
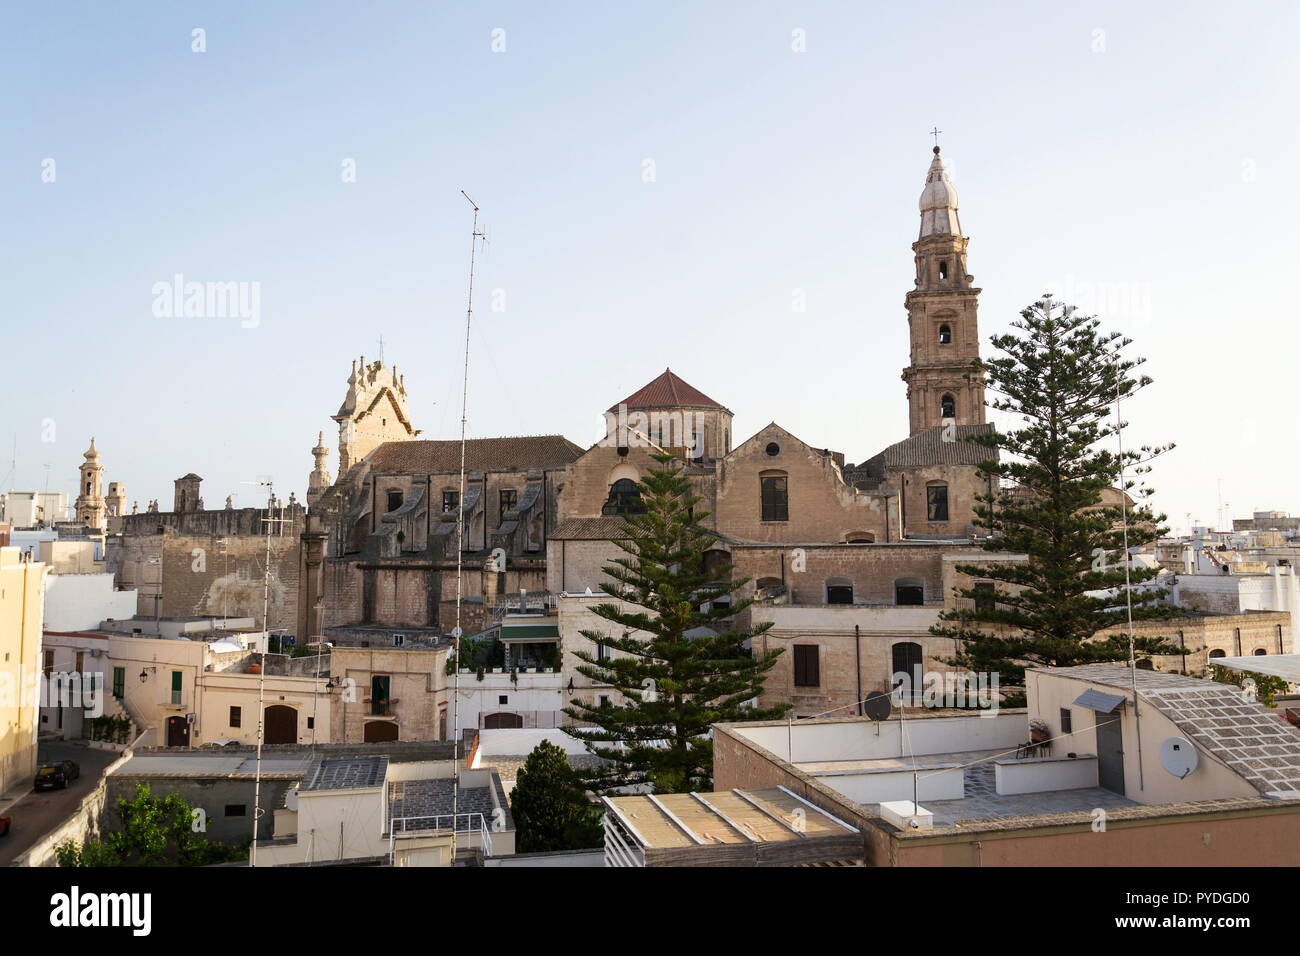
(503, 722)
(380, 731)
(178, 732)
(281, 725)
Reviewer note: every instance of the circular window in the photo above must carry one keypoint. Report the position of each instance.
(773, 449)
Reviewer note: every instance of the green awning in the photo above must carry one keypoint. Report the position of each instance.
(535, 632)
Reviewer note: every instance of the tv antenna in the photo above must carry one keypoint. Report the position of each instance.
(475, 235)
(1128, 566)
(270, 522)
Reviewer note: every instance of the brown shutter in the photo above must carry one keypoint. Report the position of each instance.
(807, 673)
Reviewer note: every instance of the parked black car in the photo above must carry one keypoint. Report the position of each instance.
(57, 775)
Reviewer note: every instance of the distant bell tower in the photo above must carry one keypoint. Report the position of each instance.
(944, 382)
(90, 507)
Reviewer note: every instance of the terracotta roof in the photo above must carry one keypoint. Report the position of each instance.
(603, 528)
(668, 391)
(481, 454)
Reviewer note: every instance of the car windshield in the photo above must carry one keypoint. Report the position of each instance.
(47, 772)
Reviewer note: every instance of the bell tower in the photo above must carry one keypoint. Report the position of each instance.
(90, 508)
(944, 382)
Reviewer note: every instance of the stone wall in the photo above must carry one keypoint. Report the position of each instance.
(213, 575)
(821, 506)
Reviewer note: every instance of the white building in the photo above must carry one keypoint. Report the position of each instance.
(366, 808)
(33, 509)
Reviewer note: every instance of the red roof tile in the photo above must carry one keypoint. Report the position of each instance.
(668, 391)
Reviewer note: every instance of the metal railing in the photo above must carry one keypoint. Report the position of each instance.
(440, 823)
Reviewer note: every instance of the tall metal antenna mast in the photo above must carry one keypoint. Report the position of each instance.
(1128, 584)
(13, 464)
(474, 236)
(270, 522)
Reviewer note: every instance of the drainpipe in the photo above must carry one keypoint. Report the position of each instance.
(902, 507)
(857, 655)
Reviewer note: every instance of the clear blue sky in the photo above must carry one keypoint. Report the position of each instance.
(1150, 166)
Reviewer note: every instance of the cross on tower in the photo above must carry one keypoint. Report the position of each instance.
(935, 133)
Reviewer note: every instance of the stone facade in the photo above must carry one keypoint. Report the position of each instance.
(417, 686)
(385, 541)
(197, 562)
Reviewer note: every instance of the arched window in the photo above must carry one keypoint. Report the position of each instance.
(839, 591)
(624, 499)
(775, 496)
(1217, 653)
(859, 537)
(945, 335)
(1259, 651)
(936, 501)
(909, 591)
(948, 407)
(943, 268)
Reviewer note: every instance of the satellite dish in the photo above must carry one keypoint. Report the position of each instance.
(876, 705)
(1178, 756)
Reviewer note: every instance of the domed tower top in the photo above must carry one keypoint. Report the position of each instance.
(92, 453)
(938, 202)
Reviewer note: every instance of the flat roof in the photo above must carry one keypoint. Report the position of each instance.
(216, 764)
(980, 800)
(678, 820)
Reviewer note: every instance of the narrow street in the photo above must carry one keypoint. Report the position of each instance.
(38, 813)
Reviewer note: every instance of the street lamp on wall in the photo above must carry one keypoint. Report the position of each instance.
(144, 674)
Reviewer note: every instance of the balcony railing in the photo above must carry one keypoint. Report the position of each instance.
(472, 823)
